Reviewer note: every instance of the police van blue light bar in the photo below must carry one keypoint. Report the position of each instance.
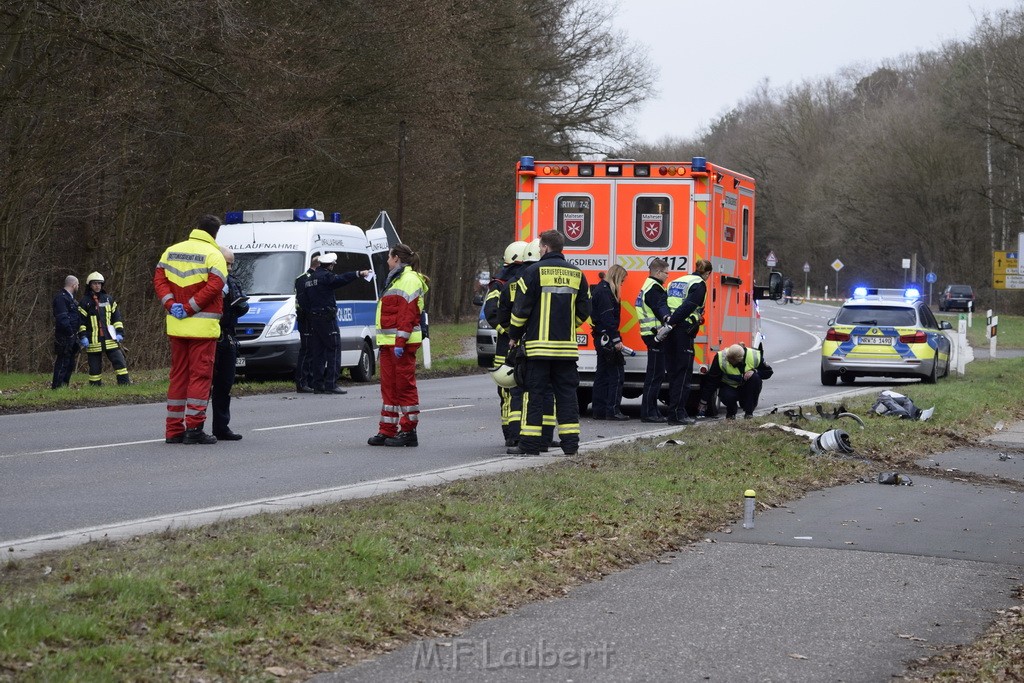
(306, 214)
(232, 217)
(336, 217)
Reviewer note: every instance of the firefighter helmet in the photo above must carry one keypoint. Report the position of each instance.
(514, 252)
(504, 376)
(94, 277)
(532, 252)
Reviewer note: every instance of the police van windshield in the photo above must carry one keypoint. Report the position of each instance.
(269, 272)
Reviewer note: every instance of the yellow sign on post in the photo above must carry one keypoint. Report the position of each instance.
(1006, 270)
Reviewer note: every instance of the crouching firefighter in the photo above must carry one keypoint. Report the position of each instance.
(101, 331)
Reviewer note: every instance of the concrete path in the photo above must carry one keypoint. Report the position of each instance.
(846, 584)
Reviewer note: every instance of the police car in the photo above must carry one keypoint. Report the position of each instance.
(885, 333)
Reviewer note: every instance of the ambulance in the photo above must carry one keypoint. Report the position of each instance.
(629, 212)
(272, 248)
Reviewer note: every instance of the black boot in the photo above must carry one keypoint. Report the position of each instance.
(198, 436)
(403, 439)
(378, 439)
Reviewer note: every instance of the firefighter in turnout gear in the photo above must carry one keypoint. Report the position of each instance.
(552, 302)
(324, 342)
(189, 280)
(513, 265)
(101, 331)
(399, 335)
(686, 296)
(737, 372)
(652, 309)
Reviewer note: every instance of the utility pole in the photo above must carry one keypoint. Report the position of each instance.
(457, 307)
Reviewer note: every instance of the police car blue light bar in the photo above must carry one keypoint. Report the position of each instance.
(860, 292)
(306, 214)
(912, 293)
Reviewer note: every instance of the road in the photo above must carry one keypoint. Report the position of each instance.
(88, 468)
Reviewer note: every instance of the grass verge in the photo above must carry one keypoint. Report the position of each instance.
(306, 591)
(29, 392)
(1009, 335)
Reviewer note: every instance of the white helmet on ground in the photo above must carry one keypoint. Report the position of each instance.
(514, 252)
(504, 376)
(532, 252)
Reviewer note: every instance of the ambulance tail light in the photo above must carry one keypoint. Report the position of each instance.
(917, 337)
(835, 336)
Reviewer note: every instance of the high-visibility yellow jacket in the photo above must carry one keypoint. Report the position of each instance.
(553, 300)
(400, 308)
(652, 296)
(686, 297)
(193, 273)
(732, 375)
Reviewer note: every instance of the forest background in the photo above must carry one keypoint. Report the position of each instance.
(122, 122)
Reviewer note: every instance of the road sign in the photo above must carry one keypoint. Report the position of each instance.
(930, 277)
(807, 267)
(1006, 270)
(837, 265)
(906, 263)
(771, 260)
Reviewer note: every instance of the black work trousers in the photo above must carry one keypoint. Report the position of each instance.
(653, 378)
(324, 350)
(116, 359)
(679, 363)
(303, 372)
(66, 351)
(546, 377)
(745, 396)
(223, 379)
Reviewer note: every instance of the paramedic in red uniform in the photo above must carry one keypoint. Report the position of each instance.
(399, 335)
(189, 280)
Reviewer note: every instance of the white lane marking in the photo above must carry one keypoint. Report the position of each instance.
(350, 419)
(817, 340)
(261, 429)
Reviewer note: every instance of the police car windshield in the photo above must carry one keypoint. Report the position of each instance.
(877, 315)
(269, 272)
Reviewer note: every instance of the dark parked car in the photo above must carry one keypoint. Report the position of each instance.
(956, 296)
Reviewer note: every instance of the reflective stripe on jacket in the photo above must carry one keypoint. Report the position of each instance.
(732, 375)
(400, 307)
(193, 273)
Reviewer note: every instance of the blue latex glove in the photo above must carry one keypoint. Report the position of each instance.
(178, 311)
(120, 338)
(399, 351)
(84, 342)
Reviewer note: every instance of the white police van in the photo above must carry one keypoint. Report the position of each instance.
(272, 248)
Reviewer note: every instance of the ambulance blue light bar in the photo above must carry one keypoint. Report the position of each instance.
(526, 163)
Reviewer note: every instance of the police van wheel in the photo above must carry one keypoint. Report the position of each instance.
(363, 370)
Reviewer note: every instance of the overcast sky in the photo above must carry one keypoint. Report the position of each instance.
(785, 41)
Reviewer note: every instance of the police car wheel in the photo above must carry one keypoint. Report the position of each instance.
(933, 376)
(828, 379)
(847, 378)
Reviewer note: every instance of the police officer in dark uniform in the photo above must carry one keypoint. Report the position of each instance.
(686, 297)
(324, 347)
(303, 372)
(65, 326)
(235, 307)
(553, 301)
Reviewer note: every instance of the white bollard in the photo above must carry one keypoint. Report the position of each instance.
(970, 316)
(993, 332)
(961, 345)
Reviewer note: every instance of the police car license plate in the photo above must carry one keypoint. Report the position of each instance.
(878, 341)
(240, 362)
(581, 340)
